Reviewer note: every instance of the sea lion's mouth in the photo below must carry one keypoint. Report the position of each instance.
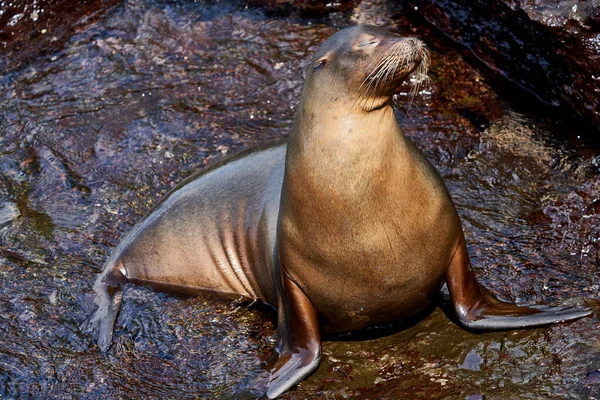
(391, 69)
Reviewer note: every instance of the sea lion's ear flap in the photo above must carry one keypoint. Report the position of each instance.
(298, 338)
(478, 309)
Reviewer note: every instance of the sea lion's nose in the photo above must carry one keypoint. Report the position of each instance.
(418, 47)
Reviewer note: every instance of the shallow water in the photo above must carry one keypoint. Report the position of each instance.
(94, 130)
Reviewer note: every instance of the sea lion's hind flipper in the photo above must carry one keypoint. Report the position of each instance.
(542, 315)
(477, 308)
(298, 339)
(108, 301)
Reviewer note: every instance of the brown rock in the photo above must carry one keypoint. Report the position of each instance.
(549, 48)
(28, 29)
(305, 7)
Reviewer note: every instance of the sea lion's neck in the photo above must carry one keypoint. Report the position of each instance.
(333, 146)
(340, 129)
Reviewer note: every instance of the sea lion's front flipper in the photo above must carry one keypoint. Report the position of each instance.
(298, 339)
(477, 308)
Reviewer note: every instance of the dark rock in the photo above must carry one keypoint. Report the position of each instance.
(593, 378)
(549, 48)
(28, 28)
(474, 397)
(307, 8)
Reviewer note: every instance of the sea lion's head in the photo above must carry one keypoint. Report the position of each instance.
(366, 64)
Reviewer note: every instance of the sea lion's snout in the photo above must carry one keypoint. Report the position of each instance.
(421, 61)
(418, 48)
(420, 53)
(399, 58)
(402, 57)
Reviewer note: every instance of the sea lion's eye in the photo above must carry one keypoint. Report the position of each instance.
(320, 63)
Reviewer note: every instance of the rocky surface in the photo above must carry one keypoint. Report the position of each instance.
(94, 131)
(306, 8)
(550, 48)
(28, 28)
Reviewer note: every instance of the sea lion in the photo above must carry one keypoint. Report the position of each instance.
(346, 226)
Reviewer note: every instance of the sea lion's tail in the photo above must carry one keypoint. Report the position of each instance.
(108, 301)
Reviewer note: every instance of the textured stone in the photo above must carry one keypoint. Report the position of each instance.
(550, 48)
(305, 7)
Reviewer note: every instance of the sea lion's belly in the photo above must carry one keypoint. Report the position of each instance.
(369, 285)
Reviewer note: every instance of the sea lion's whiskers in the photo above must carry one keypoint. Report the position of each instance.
(397, 62)
(371, 81)
(393, 59)
(397, 58)
(385, 68)
(382, 75)
(363, 89)
(420, 76)
(389, 58)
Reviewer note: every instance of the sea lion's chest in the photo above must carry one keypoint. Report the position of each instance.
(369, 256)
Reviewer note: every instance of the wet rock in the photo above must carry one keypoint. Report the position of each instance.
(472, 361)
(474, 397)
(593, 378)
(29, 28)
(307, 8)
(155, 89)
(8, 213)
(595, 165)
(549, 48)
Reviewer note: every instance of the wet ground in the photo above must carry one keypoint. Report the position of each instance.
(132, 97)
